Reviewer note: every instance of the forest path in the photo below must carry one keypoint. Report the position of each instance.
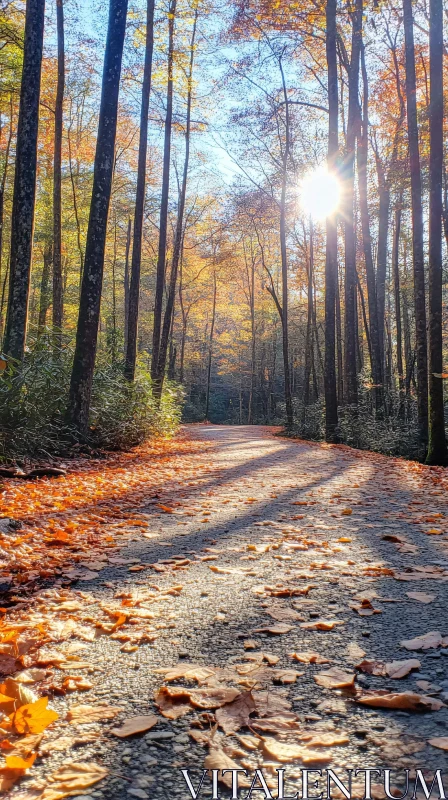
(263, 532)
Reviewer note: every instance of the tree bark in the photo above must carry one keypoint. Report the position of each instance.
(350, 373)
(436, 440)
(397, 294)
(284, 259)
(331, 251)
(163, 225)
(362, 157)
(178, 238)
(126, 285)
(57, 180)
(417, 226)
(210, 349)
(90, 301)
(22, 220)
(45, 295)
(134, 288)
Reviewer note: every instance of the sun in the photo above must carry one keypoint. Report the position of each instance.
(320, 193)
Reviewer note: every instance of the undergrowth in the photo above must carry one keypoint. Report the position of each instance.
(33, 398)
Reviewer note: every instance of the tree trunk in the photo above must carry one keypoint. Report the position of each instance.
(309, 326)
(284, 260)
(417, 225)
(178, 238)
(134, 289)
(163, 226)
(362, 157)
(331, 253)
(396, 279)
(126, 285)
(45, 295)
(350, 374)
(89, 310)
(22, 219)
(210, 349)
(436, 440)
(57, 180)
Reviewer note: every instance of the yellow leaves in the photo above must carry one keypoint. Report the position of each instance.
(135, 725)
(85, 714)
(346, 512)
(33, 717)
(72, 778)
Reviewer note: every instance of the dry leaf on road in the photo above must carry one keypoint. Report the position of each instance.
(406, 701)
(135, 725)
(335, 678)
(84, 714)
(236, 715)
(426, 642)
(72, 778)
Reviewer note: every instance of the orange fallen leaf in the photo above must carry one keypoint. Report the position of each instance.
(33, 717)
(135, 725)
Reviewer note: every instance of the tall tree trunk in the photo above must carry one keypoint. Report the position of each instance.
(134, 289)
(178, 238)
(284, 258)
(58, 302)
(2, 196)
(22, 220)
(45, 295)
(417, 225)
(89, 309)
(126, 285)
(381, 254)
(340, 357)
(163, 225)
(210, 349)
(397, 294)
(350, 374)
(331, 252)
(309, 324)
(436, 440)
(250, 408)
(362, 157)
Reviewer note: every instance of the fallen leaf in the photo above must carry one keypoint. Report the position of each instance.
(309, 657)
(407, 701)
(33, 717)
(422, 597)
(392, 669)
(72, 778)
(135, 725)
(218, 759)
(321, 624)
(191, 672)
(84, 714)
(335, 678)
(439, 741)
(235, 715)
(426, 642)
(275, 630)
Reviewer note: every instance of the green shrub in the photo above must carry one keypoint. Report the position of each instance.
(33, 399)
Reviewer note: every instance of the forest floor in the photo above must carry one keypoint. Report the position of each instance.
(279, 578)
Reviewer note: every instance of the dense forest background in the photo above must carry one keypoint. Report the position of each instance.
(240, 209)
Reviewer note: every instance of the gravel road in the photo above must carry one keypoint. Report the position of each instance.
(264, 511)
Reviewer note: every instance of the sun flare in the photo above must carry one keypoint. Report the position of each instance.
(320, 193)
